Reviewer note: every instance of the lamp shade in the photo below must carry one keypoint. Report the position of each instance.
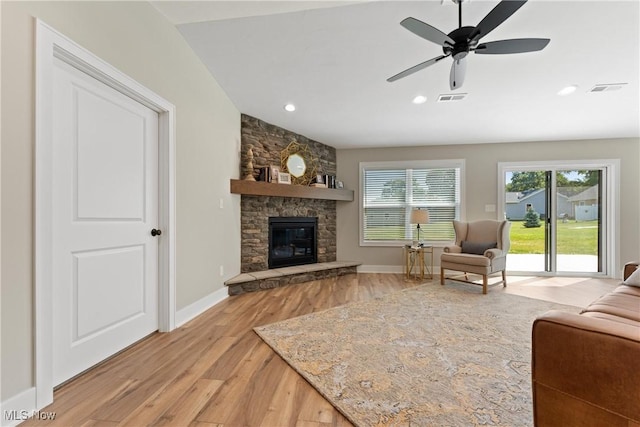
(419, 216)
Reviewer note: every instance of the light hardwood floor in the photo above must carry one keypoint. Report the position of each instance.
(215, 371)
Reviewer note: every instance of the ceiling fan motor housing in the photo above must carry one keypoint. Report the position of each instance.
(463, 42)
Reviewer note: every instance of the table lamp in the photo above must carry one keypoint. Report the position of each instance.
(419, 216)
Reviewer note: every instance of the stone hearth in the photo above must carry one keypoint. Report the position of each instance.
(276, 277)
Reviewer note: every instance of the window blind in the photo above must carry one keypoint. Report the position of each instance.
(390, 193)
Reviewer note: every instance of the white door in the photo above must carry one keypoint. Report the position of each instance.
(105, 204)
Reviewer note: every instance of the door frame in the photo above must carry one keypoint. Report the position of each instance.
(51, 44)
(610, 210)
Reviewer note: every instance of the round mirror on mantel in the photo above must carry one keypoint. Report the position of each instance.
(298, 160)
(296, 165)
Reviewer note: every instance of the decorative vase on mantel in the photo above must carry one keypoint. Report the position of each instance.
(249, 176)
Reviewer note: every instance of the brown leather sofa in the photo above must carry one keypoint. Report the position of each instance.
(586, 367)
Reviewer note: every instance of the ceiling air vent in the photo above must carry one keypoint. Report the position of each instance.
(452, 97)
(607, 87)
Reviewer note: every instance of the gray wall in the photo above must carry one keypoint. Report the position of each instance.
(481, 186)
(135, 38)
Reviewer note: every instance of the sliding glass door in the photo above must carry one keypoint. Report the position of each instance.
(526, 204)
(579, 224)
(557, 216)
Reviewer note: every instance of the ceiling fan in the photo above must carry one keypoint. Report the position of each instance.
(463, 40)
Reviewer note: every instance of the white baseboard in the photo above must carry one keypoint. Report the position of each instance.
(195, 309)
(18, 408)
(389, 269)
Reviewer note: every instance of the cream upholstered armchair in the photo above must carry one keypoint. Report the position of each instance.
(481, 248)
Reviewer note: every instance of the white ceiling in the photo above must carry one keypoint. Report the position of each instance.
(332, 59)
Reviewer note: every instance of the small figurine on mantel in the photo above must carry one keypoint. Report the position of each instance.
(249, 176)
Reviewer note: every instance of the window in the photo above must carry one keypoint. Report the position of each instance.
(390, 190)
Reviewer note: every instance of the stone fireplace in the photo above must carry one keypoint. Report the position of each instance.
(255, 214)
(264, 206)
(267, 142)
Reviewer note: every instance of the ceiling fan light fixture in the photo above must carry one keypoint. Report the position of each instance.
(420, 99)
(290, 107)
(568, 90)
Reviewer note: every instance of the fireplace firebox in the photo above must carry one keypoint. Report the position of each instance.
(292, 241)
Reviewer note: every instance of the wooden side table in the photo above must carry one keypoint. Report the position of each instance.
(415, 259)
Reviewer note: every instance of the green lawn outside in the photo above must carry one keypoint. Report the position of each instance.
(574, 238)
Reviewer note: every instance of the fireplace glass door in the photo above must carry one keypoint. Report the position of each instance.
(292, 241)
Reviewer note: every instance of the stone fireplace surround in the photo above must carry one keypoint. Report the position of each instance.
(267, 141)
(255, 213)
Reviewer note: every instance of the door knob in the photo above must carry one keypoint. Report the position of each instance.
(155, 232)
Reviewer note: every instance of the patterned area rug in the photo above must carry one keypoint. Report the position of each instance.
(425, 356)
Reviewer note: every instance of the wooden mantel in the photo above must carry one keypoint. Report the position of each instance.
(259, 188)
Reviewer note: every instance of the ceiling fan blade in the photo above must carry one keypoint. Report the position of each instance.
(512, 46)
(458, 71)
(415, 68)
(426, 31)
(497, 16)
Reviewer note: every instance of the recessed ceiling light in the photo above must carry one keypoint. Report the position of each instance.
(290, 107)
(420, 99)
(567, 90)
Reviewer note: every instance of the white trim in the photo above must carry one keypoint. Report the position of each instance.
(22, 404)
(167, 220)
(414, 164)
(611, 211)
(391, 269)
(43, 347)
(51, 44)
(195, 309)
(384, 269)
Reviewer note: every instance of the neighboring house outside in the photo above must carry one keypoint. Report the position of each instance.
(584, 205)
(518, 203)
